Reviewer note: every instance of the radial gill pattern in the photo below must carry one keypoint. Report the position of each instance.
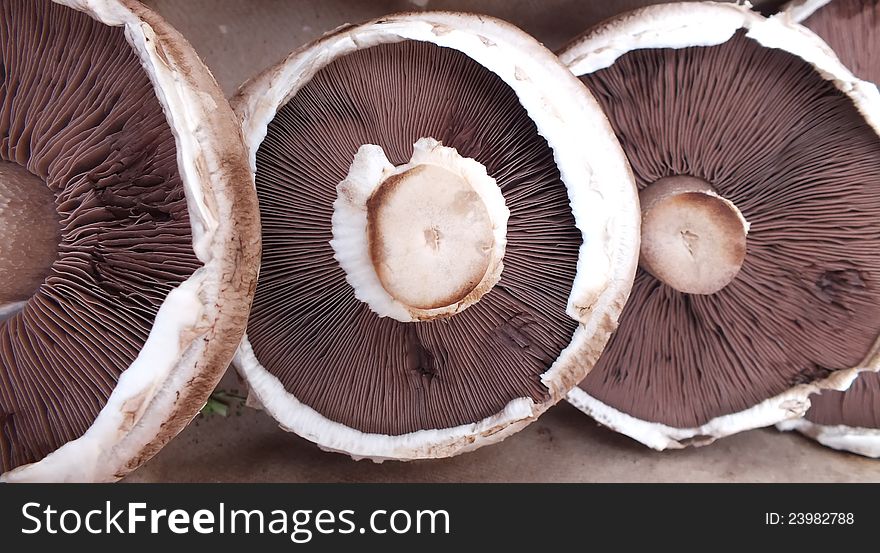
(78, 111)
(308, 329)
(852, 29)
(803, 167)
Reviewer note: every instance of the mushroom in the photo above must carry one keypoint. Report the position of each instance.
(450, 231)
(847, 421)
(758, 164)
(130, 237)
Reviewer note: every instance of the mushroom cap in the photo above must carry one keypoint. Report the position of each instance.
(598, 185)
(705, 24)
(846, 421)
(201, 321)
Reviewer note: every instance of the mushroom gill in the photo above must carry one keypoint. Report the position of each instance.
(792, 153)
(851, 28)
(329, 349)
(857, 407)
(80, 121)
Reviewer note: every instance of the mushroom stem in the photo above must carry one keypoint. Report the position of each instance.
(29, 232)
(421, 240)
(692, 239)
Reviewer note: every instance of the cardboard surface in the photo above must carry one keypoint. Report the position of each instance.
(237, 39)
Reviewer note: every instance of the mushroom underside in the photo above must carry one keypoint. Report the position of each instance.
(858, 406)
(326, 347)
(800, 163)
(80, 115)
(850, 28)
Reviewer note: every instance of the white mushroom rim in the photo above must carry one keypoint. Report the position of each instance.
(168, 358)
(864, 441)
(600, 189)
(791, 404)
(422, 240)
(799, 10)
(684, 25)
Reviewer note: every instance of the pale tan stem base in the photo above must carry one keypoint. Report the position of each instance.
(692, 239)
(430, 237)
(421, 240)
(29, 233)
